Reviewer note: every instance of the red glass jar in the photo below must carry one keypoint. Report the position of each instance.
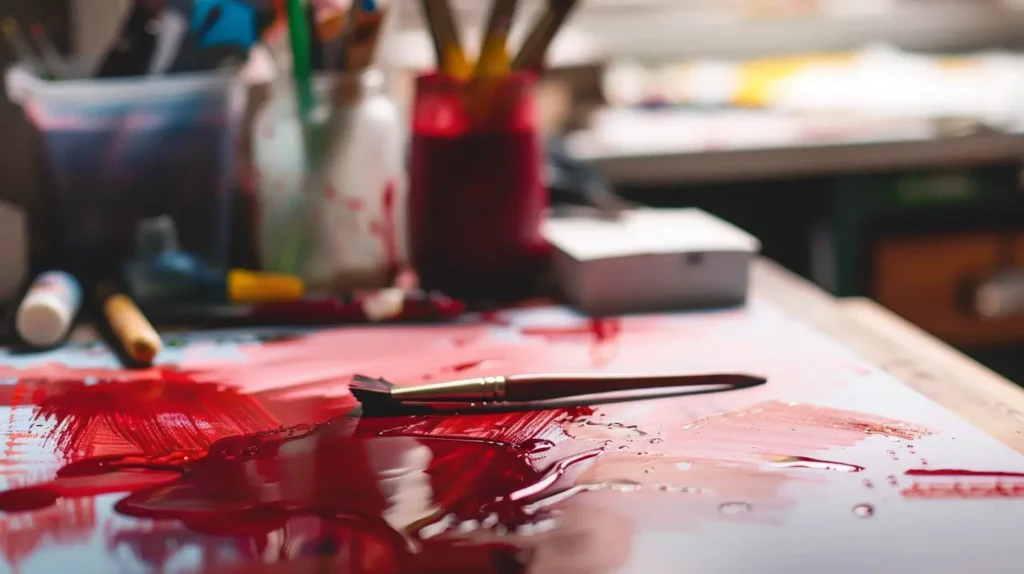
(476, 198)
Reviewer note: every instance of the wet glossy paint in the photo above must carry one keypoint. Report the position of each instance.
(247, 454)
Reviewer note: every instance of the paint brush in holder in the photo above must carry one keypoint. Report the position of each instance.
(532, 53)
(379, 393)
(451, 59)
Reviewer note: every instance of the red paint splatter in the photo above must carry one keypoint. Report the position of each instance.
(331, 192)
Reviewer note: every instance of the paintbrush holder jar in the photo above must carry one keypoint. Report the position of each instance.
(122, 150)
(476, 197)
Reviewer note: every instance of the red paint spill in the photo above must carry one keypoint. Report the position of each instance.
(805, 462)
(365, 490)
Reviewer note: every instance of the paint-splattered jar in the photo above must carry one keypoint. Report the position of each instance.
(351, 211)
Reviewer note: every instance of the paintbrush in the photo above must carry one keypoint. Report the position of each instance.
(451, 59)
(494, 60)
(531, 55)
(530, 388)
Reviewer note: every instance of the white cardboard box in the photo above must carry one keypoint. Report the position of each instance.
(651, 260)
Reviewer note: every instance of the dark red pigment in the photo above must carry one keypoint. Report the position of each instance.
(380, 503)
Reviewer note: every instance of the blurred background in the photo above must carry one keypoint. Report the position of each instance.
(873, 146)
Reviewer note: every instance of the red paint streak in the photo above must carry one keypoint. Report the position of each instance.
(957, 490)
(364, 489)
(604, 332)
(805, 462)
(965, 473)
(601, 329)
(154, 415)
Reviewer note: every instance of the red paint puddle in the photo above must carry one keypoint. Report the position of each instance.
(393, 492)
(805, 462)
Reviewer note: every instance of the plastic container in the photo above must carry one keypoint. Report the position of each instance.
(476, 197)
(352, 209)
(126, 149)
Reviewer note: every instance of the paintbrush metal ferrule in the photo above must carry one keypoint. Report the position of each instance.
(479, 389)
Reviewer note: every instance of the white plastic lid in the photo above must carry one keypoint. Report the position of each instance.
(42, 321)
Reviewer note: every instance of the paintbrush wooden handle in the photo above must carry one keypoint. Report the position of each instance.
(522, 388)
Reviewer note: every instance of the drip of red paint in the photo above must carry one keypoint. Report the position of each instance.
(366, 490)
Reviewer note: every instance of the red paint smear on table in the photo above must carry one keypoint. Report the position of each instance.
(790, 429)
(603, 331)
(155, 415)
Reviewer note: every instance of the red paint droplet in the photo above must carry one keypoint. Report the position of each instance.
(331, 192)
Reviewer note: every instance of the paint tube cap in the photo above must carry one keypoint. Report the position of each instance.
(43, 321)
(255, 287)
